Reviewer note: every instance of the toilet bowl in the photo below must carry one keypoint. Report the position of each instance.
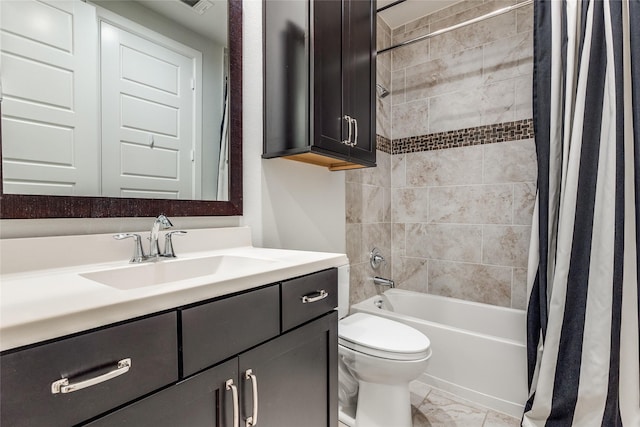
(378, 359)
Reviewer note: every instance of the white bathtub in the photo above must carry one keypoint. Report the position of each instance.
(479, 350)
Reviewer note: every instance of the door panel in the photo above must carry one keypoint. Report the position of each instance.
(147, 112)
(296, 375)
(49, 110)
(200, 401)
(330, 126)
(360, 75)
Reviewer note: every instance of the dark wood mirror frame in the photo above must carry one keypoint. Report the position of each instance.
(21, 206)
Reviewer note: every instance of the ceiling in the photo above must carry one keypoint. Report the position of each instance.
(212, 24)
(410, 10)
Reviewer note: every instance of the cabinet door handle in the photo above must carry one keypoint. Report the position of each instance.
(315, 296)
(350, 122)
(63, 386)
(234, 391)
(253, 419)
(355, 139)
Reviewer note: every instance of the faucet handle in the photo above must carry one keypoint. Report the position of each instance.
(138, 251)
(168, 244)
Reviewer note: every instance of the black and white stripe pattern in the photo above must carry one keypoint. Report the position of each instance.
(584, 281)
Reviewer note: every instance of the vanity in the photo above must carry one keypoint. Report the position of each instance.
(224, 335)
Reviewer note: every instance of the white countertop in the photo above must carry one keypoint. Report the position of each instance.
(38, 304)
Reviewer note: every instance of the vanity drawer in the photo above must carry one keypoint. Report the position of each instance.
(26, 396)
(307, 297)
(217, 330)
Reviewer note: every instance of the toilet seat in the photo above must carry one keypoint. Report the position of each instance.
(381, 337)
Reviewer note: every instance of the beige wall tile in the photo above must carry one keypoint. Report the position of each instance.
(353, 202)
(452, 73)
(380, 175)
(472, 282)
(409, 204)
(397, 87)
(513, 161)
(411, 274)
(377, 236)
(409, 119)
(524, 19)
(524, 200)
(508, 58)
(473, 35)
(444, 242)
(409, 55)
(524, 97)
(360, 283)
(498, 102)
(506, 245)
(354, 243)
(478, 204)
(372, 204)
(398, 170)
(519, 289)
(398, 244)
(457, 110)
(444, 167)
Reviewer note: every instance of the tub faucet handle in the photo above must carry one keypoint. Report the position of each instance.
(376, 259)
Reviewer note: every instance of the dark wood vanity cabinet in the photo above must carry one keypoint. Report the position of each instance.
(186, 364)
(319, 83)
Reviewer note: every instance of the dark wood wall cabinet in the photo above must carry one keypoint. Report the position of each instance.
(225, 363)
(319, 82)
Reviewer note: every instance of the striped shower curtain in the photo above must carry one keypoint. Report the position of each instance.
(583, 318)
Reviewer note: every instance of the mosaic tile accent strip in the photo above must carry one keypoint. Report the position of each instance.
(480, 135)
(383, 144)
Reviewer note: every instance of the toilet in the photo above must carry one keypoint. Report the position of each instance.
(377, 359)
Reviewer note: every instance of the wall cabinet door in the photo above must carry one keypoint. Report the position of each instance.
(296, 376)
(200, 401)
(344, 77)
(320, 81)
(359, 75)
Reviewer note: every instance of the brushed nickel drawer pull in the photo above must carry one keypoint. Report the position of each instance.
(349, 120)
(315, 296)
(63, 386)
(253, 419)
(234, 391)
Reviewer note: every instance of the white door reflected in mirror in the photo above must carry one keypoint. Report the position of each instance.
(96, 104)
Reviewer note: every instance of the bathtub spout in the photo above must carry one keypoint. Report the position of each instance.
(384, 282)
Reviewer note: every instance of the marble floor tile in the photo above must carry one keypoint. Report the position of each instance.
(443, 410)
(436, 408)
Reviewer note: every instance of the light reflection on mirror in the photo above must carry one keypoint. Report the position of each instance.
(114, 98)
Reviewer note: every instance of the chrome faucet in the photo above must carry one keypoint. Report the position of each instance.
(384, 282)
(161, 222)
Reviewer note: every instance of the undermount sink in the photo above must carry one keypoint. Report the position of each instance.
(157, 273)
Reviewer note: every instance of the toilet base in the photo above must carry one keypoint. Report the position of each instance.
(383, 405)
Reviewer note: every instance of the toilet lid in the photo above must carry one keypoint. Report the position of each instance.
(381, 337)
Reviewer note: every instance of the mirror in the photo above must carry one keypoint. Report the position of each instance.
(143, 138)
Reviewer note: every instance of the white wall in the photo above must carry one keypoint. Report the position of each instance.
(286, 204)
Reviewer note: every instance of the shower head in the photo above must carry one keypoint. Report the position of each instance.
(382, 91)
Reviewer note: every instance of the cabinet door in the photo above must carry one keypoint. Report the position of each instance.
(360, 74)
(296, 376)
(329, 126)
(200, 401)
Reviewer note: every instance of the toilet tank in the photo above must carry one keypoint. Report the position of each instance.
(343, 290)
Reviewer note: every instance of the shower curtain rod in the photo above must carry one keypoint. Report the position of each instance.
(460, 25)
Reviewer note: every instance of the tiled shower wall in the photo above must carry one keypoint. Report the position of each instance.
(454, 221)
